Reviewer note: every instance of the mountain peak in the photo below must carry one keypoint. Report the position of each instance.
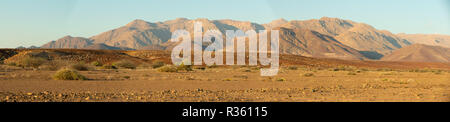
(276, 23)
(68, 36)
(202, 19)
(181, 19)
(329, 18)
(280, 20)
(137, 22)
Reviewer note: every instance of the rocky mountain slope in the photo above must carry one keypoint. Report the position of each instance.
(310, 43)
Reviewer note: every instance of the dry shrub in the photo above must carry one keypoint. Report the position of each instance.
(385, 69)
(125, 64)
(96, 63)
(281, 79)
(144, 66)
(247, 70)
(157, 64)
(80, 67)
(212, 66)
(344, 68)
(292, 68)
(351, 73)
(33, 62)
(68, 74)
(12, 64)
(308, 74)
(108, 66)
(168, 68)
(227, 79)
(364, 69)
(184, 67)
(53, 65)
(199, 67)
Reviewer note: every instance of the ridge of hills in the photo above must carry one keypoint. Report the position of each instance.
(325, 37)
(420, 53)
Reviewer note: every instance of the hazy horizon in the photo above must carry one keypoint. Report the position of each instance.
(28, 22)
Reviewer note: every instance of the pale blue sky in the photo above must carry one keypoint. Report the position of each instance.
(35, 22)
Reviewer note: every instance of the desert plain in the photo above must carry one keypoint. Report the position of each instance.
(300, 79)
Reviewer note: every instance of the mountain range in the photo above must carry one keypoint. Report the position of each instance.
(325, 38)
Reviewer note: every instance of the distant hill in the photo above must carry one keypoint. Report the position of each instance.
(105, 47)
(428, 39)
(68, 42)
(275, 23)
(420, 53)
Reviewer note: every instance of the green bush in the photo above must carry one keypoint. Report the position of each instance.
(168, 68)
(96, 63)
(68, 74)
(33, 62)
(157, 64)
(125, 64)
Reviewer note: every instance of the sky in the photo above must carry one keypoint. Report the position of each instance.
(36, 22)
